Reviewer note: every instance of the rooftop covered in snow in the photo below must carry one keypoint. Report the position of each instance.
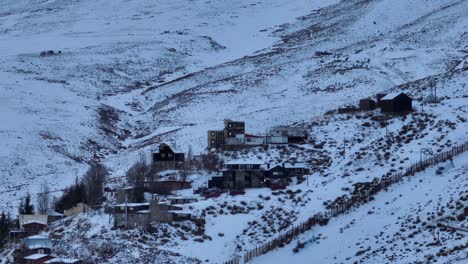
(391, 96)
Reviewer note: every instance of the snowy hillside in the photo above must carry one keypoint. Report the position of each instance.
(51, 106)
(395, 227)
(132, 74)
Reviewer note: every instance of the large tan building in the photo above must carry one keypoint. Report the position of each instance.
(232, 134)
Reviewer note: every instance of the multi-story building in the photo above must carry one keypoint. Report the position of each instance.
(215, 139)
(243, 174)
(130, 215)
(233, 128)
(286, 134)
(167, 158)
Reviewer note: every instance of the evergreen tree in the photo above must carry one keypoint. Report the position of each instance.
(26, 207)
(93, 181)
(71, 196)
(5, 223)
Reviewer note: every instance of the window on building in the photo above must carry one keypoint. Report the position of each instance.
(169, 155)
(212, 133)
(163, 155)
(212, 141)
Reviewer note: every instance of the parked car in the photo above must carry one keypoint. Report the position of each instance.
(277, 186)
(210, 190)
(213, 195)
(236, 192)
(200, 190)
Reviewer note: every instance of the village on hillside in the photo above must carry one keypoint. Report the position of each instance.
(151, 193)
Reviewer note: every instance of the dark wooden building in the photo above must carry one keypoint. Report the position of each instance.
(34, 227)
(233, 128)
(243, 174)
(275, 172)
(215, 139)
(396, 103)
(379, 96)
(286, 169)
(167, 158)
(367, 104)
(295, 169)
(166, 187)
(216, 181)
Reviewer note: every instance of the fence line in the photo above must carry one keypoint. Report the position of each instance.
(361, 194)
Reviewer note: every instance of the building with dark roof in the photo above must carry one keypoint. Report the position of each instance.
(396, 103)
(167, 158)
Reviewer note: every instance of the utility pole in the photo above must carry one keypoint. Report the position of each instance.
(386, 126)
(386, 129)
(126, 210)
(344, 148)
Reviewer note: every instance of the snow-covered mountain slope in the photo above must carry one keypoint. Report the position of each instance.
(135, 73)
(52, 107)
(399, 226)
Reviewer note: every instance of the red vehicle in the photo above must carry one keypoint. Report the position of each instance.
(277, 186)
(213, 195)
(236, 192)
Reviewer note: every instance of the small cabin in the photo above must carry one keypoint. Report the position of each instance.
(396, 103)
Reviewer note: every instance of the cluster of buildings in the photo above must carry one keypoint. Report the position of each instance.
(33, 224)
(233, 136)
(141, 215)
(245, 173)
(35, 248)
(239, 174)
(397, 102)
